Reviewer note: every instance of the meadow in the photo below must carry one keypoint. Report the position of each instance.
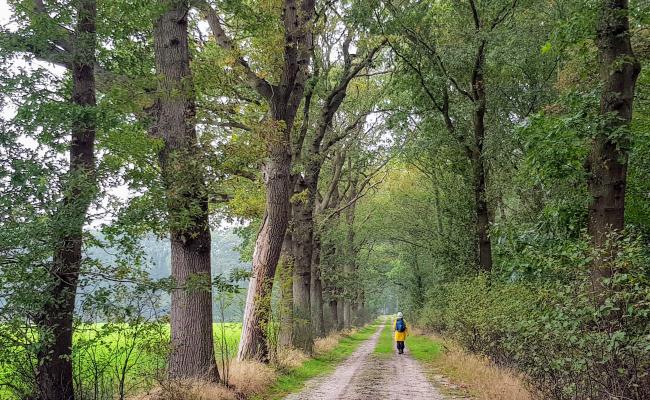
(113, 361)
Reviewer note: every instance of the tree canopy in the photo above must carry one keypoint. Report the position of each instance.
(481, 165)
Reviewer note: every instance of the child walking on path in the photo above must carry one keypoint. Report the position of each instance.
(401, 331)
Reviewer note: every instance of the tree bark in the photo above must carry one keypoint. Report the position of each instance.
(54, 377)
(253, 343)
(302, 335)
(285, 277)
(607, 163)
(284, 101)
(192, 350)
(349, 268)
(316, 295)
(334, 315)
(478, 163)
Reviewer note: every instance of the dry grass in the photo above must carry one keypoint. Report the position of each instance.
(348, 332)
(290, 358)
(327, 343)
(245, 378)
(250, 377)
(485, 380)
(188, 390)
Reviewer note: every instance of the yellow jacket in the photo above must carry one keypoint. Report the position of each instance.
(400, 336)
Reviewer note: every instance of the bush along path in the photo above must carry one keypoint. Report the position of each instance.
(370, 374)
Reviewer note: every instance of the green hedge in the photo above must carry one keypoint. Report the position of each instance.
(569, 342)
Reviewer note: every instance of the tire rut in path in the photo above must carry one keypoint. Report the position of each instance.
(364, 376)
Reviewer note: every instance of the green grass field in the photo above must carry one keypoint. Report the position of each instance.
(113, 358)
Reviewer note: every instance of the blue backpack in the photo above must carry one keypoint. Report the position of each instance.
(400, 326)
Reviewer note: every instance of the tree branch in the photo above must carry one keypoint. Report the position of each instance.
(259, 84)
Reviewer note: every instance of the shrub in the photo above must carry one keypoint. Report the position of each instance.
(570, 342)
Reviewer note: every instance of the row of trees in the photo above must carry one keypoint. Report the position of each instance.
(379, 151)
(515, 220)
(132, 118)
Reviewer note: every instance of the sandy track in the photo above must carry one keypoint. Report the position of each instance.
(364, 376)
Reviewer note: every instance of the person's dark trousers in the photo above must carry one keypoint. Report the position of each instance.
(400, 347)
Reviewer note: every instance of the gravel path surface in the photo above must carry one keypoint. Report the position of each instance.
(364, 376)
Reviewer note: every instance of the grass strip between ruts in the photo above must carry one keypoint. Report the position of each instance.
(422, 348)
(295, 379)
(386, 345)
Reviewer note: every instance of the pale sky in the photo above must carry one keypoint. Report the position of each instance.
(4, 12)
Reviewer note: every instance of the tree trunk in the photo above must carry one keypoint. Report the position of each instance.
(478, 163)
(302, 335)
(607, 163)
(265, 257)
(317, 318)
(321, 252)
(54, 373)
(358, 309)
(285, 277)
(192, 349)
(316, 285)
(318, 323)
(284, 101)
(350, 265)
(334, 314)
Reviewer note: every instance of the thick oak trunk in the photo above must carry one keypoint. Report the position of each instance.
(253, 344)
(285, 280)
(316, 295)
(54, 373)
(302, 330)
(192, 349)
(284, 101)
(607, 163)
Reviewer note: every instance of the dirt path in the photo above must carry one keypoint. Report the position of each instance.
(364, 376)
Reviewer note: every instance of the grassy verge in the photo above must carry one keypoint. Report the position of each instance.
(423, 348)
(295, 379)
(475, 375)
(457, 372)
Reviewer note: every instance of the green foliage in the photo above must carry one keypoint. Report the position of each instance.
(562, 335)
(398, 234)
(112, 359)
